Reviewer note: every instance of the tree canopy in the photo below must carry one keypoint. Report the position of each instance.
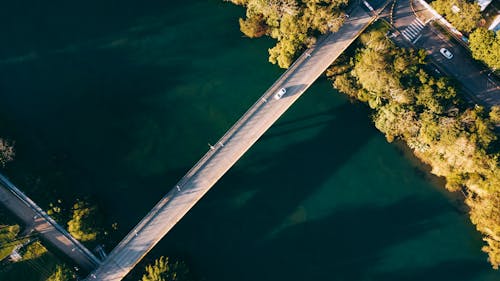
(82, 225)
(6, 152)
(485, 46)
(163, 270)
(463, 15)
(294, 24)
(62, 273)
(456, 140)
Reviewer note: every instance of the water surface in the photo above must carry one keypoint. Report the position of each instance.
(115, 101)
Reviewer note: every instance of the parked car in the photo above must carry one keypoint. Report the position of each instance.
(447, 54)
(280, 93)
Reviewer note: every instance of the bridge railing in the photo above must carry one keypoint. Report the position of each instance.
(262, 100)
(228, 134)
(157, 209)
(32, 205)
(187, 176)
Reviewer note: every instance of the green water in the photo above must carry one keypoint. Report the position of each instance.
(115, 102)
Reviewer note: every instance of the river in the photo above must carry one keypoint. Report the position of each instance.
(113, 102)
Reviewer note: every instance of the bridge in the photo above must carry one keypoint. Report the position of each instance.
(235, 142)
(51, 232)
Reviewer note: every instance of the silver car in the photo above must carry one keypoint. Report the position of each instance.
(447, 54)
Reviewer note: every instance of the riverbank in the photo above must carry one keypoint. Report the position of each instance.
(457, 141)
(321, 195)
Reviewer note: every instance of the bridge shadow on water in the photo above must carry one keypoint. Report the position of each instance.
(234, 242)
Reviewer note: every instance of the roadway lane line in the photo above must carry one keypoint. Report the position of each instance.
(415, 41)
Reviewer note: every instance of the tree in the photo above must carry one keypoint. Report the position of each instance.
(34, 250)
(253, 27)
(6, 152)
(495, 114)
(462, 15)
(410, 104)
(162, 270)
(346, 85)
(485, 46)
(485, 214)
(62, 273)
(82, 225)
(294, 24)
(8, 239)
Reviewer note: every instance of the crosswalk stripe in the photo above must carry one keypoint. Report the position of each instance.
(414, 28)
(404, 34)
(417, 24)
(419, 21)
(413, 33)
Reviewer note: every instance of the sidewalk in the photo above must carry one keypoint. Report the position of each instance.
(421, 12)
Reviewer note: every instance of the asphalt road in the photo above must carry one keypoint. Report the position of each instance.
(35, 218)
(421, 34)
(222, 156)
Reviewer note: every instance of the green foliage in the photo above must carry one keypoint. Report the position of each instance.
(253, 27)
(34, 250)
(82, 224)
(24, 269)
(485, 46)
(466, 19)
(294, 24)
(56, 211)
(8, 241)
(347, 85)
(409, 104)
(484, 210)
(62, 273)
(495, 114)
(7, 152)
(163, 270)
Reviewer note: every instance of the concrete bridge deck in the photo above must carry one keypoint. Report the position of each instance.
(222, 156)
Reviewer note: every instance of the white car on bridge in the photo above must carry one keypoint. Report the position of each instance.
(280, 94)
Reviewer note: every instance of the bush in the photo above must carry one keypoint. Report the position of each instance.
(485, 46)
(6, 152)
(412, 105)
(294, 24)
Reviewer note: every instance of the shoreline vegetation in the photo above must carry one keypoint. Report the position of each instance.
(408, 103)
(35, 262)
(22, 254)
(30, 260)
(7, 152)
(295, 26)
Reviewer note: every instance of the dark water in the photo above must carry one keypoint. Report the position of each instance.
(114, 101)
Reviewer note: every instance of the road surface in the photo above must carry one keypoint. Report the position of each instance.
(252, 125)
(34, 217)
(420, 33)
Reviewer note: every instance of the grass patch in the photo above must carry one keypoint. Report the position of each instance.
(36, 269)
(8, 235)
